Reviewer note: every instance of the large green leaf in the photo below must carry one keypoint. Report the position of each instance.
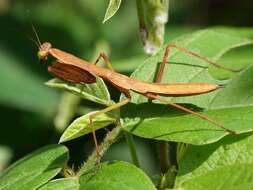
(61, 184)
(230, 106)
(96, 92)
(224, 165)
(239, 31)
(238, 57)
(237, 93)
(35, 169)
(172, 126)
(116, 175)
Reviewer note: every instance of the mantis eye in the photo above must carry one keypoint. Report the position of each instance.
(44, 50)
(42, 55)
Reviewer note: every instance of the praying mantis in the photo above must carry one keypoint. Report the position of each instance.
(75, 70)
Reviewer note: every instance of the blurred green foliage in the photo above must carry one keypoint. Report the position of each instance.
(28, 107)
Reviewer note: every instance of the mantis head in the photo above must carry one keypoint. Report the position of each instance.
(44, 51)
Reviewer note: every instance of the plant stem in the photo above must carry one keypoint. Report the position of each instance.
(168, 179)
(164, 157)
(165, 3)
(142, 22)
(131, 145)
(152, 15)
(110, 138)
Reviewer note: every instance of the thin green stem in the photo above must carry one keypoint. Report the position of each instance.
(110, 138)
(131, 145)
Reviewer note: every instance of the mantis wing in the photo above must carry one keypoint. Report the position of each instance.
(71, 73)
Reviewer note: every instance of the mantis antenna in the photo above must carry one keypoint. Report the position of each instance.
(36, 35)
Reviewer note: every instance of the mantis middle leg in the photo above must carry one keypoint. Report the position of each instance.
(106, 60)
(94, 115)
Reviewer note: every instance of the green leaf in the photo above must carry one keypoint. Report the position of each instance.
(237, 93)
(238, 31)
(61, 184)
(35, 169)
(116, 175)
(187, 128)
(230, 106)
(96, 92)
(227, 163)
(111, 9)
(81, 126)
(238, 57)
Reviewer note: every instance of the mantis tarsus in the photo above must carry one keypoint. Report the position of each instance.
(73, 69)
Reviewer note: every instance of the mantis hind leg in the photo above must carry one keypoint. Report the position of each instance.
(154, 96)
(94, 115)
(159, 78)
(191, 53)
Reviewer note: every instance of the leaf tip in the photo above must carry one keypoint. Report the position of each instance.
(63, 139)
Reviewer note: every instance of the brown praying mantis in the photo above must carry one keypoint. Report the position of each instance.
(75, 70)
